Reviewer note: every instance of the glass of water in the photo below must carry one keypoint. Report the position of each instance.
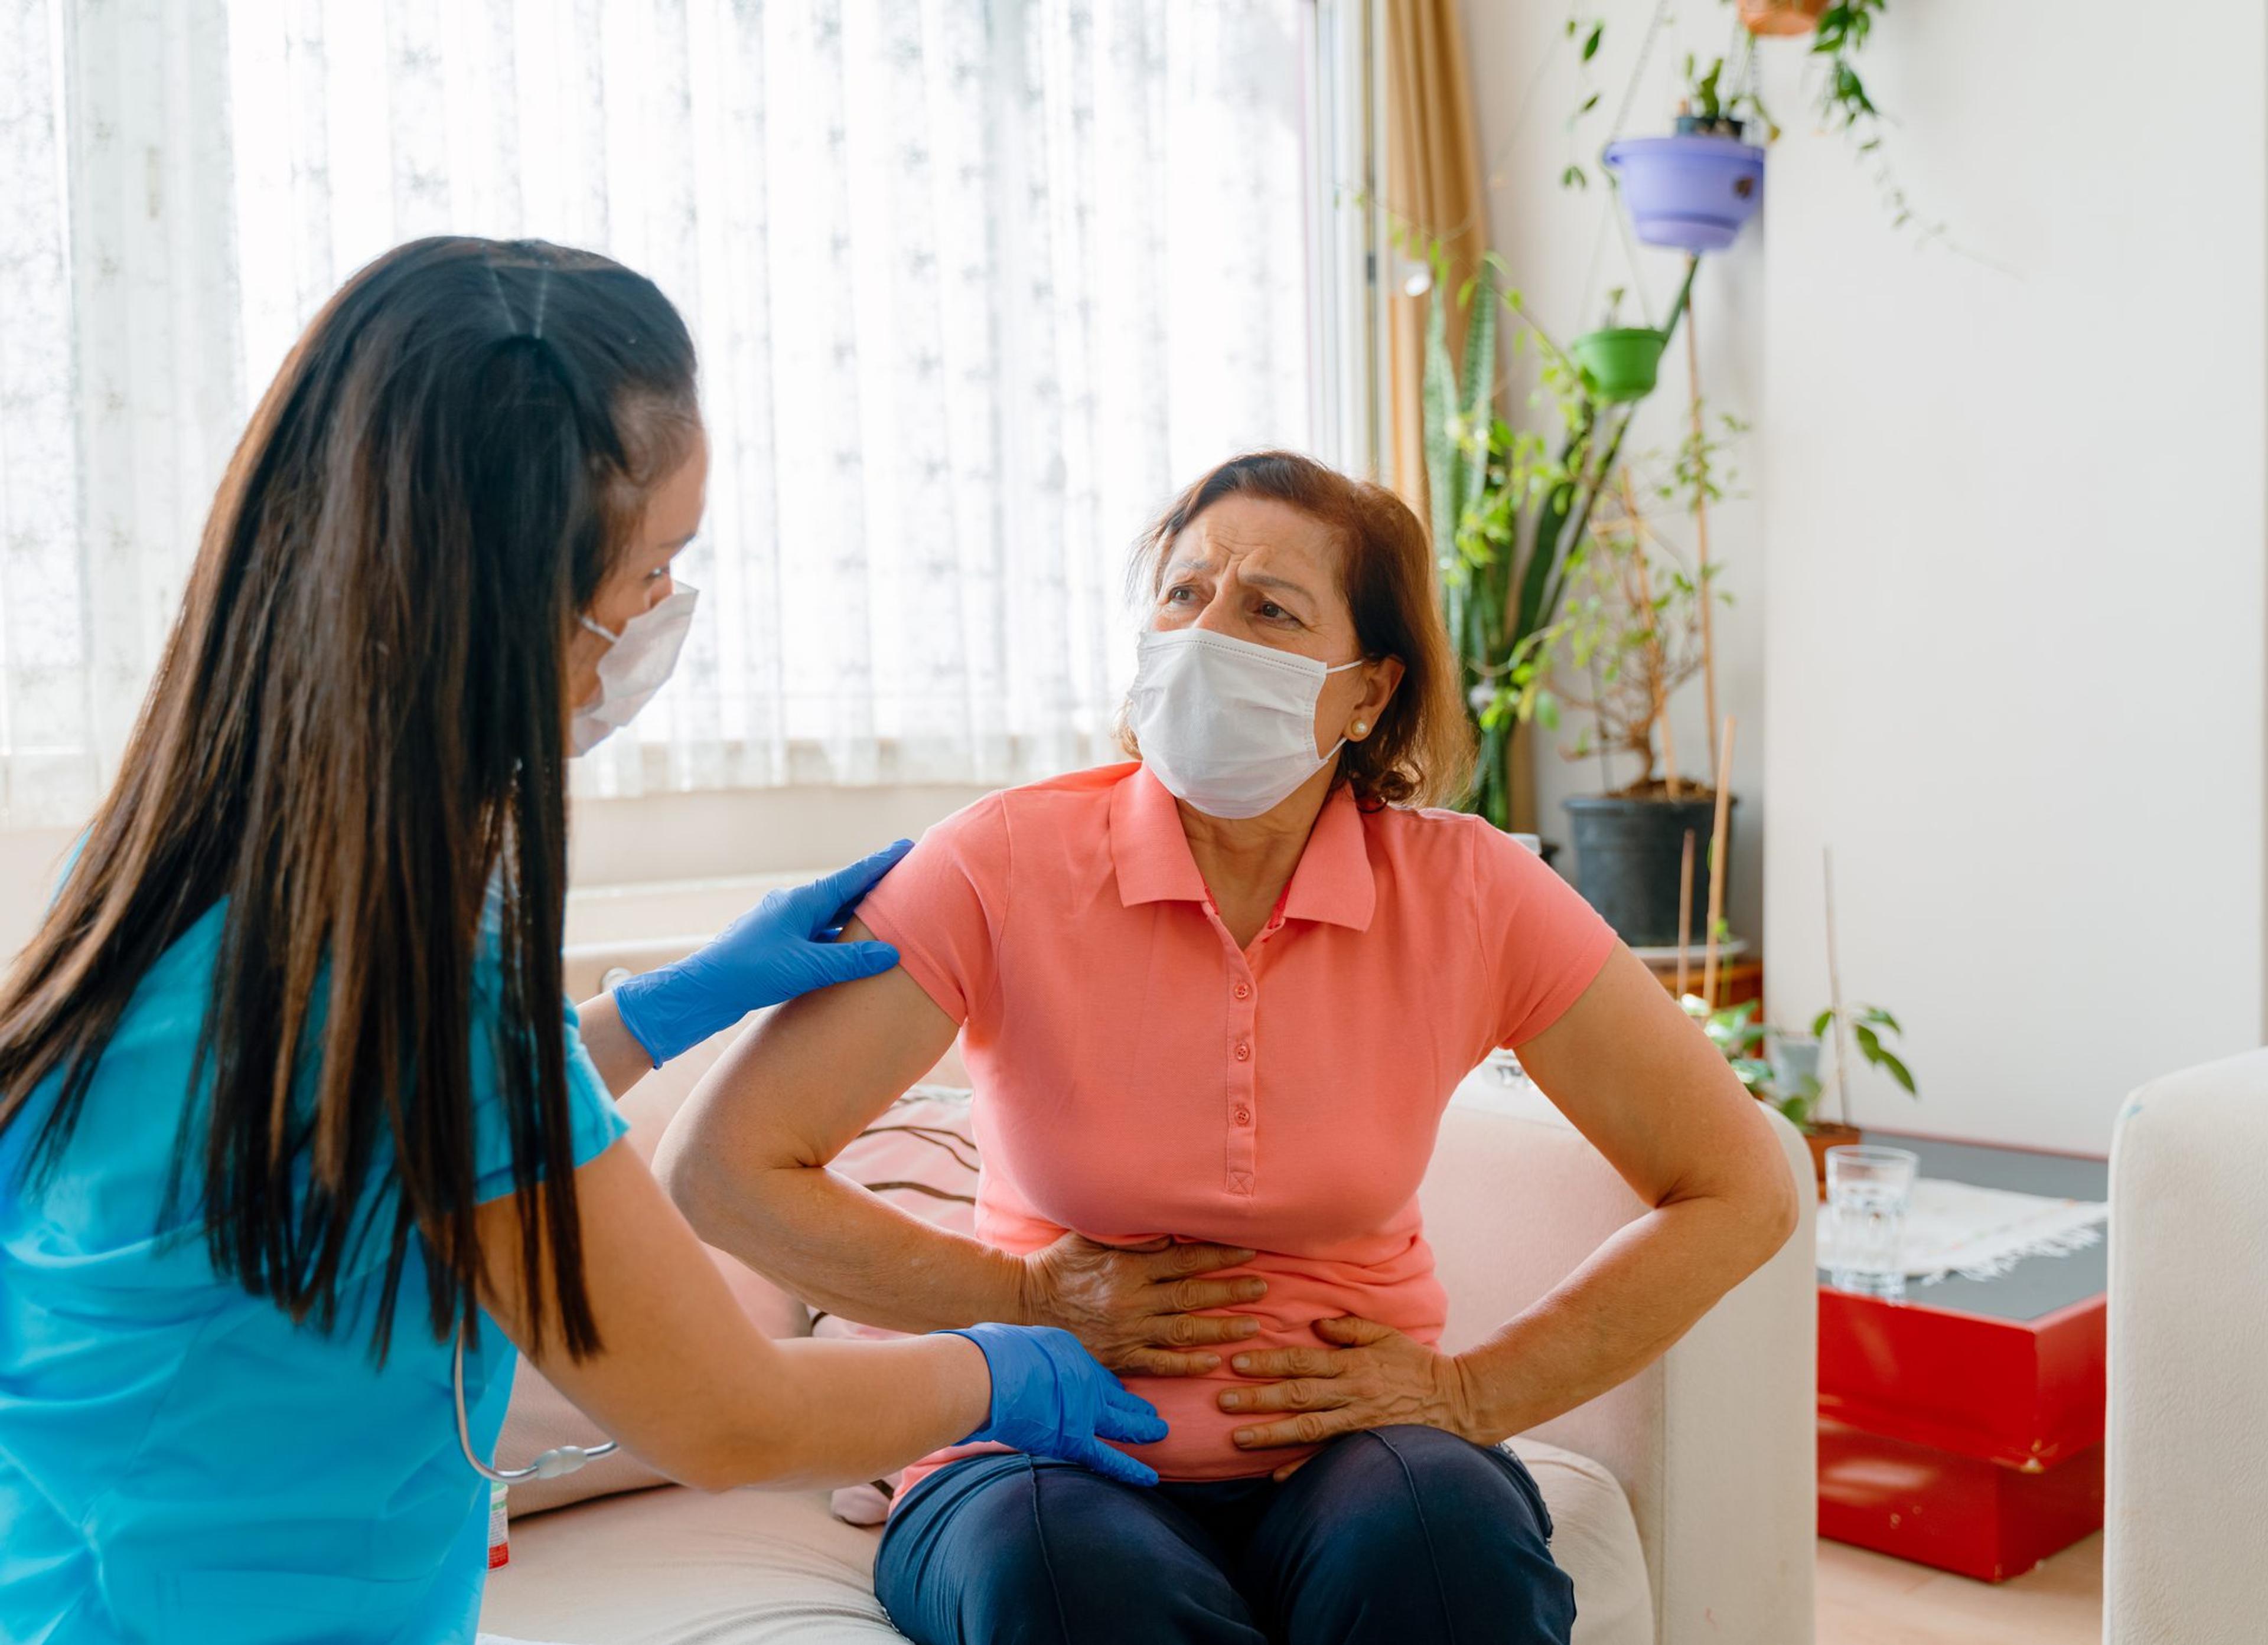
(1868, 1190)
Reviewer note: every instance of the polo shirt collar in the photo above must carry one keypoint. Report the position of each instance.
(1333, 883)
(1147, 846)
(1151, 855)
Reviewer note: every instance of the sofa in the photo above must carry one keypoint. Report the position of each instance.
(1683, 1500)
(2186, 1453)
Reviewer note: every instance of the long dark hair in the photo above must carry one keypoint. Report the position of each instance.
(355, 739)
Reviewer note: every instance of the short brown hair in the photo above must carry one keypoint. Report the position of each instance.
(1421, 752)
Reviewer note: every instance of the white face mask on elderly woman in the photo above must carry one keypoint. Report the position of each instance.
(638, 664)
(1228, 726)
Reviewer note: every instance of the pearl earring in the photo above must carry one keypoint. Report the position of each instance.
(1362, 728)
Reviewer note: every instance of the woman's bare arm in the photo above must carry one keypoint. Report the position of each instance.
(746, 1158)
(1649, 1090)
(1635, 1076)
(621, 1060)
(682, 1378)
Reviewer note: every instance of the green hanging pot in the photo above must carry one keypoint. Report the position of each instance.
(1619, 365)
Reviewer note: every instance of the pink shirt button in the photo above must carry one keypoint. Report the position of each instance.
(1244, 1053)
(1244, 1116)
(1243, 990)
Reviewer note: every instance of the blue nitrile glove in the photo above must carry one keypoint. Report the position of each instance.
(1050, 1399)
(774, 952)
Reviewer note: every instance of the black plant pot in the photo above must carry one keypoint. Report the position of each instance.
(1628, 857)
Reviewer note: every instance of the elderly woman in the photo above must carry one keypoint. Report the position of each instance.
(1212, 1006)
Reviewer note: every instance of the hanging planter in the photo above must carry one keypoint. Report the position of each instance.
(1619, 364)
(1693, 192)
(1782, 18)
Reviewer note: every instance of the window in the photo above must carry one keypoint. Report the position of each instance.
(977, 282)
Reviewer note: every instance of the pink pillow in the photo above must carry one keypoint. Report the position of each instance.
(919, 1156)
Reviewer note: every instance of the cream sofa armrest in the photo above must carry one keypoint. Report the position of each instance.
(1715, 1444)
(2186, 1491)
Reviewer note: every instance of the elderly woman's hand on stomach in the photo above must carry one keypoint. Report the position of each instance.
(1370, 1376)
(1147, 1308)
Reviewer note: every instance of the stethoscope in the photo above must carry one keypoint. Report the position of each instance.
(553, 1463)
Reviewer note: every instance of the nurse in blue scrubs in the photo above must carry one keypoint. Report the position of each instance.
(292, 1111)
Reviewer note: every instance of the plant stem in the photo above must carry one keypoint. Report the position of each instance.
(1684, 911)
(1656, 661)
(1717, 871)
(1834, 992)
(1701, 520)
(1580, 521)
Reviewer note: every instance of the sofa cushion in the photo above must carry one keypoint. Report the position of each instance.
(752, 1567)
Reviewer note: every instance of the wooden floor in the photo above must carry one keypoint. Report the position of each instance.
(1871, 1599)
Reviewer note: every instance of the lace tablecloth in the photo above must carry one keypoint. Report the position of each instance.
(1981, 1233)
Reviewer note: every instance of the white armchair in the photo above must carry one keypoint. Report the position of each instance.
(1715, 1444)
(2186, 1486)
(1684, 1499)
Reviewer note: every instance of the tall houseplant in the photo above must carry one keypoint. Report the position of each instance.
(1510, 506)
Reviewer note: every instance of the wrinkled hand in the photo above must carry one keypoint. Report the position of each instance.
(1049, 1399)
(1371, 1377)
(1136, 1307)
(781, 948)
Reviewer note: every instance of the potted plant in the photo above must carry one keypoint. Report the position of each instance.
(1619, 364)
(1630, 638)
(1510, 506)
(1695, 189)
(1783, 1069)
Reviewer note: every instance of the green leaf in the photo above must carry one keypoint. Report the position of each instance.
(1891, 1064)
(1799, 1108)
(1574, 177)
(1591, 44)
(1440, 395)
(1478, 389)
(1882, 1019)
(1822, 1023)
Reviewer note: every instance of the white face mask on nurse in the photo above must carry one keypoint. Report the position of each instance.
(626, 645)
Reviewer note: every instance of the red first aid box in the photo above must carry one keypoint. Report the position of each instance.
(1962, 1428)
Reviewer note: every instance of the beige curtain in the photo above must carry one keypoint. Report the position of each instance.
(1433, 191)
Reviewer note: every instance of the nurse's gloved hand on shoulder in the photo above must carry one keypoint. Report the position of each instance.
(1049, 1399)
(779, 949)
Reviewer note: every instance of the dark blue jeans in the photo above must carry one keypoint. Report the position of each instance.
(1399, 1536)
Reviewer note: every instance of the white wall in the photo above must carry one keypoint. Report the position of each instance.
(2015, 525)
(1566, 254)
(2007, 515)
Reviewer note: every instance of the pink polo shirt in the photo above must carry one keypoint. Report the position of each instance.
(1137, 1074)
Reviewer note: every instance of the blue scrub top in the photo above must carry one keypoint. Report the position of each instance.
(178, 1460)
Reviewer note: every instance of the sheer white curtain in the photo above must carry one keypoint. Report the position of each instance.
(977, 283)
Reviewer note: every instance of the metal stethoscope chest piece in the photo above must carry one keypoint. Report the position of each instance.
(551, 1464)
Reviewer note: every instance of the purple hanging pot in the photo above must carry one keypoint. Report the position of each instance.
(1693, 192)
